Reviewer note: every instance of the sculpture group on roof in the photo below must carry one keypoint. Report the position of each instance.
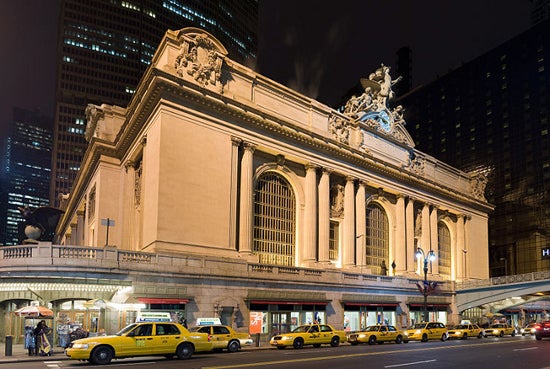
(377, 92)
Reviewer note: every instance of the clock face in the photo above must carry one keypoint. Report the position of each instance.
(383, 119)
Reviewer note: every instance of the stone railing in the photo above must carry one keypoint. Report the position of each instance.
(507, 279)
(109, 258)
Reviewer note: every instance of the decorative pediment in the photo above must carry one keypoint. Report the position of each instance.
(371, 108)
(201, 57)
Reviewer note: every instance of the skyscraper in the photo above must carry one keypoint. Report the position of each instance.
(491, 115)
(104, 46)
(25, 170)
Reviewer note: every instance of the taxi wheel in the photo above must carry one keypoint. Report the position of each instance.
(298, 343)
(185, 351)
(424, 338)
(480, 335)
(444, 337)
(372, 340)
(399, 339)
(513, 333)
(233, 346)
(464, 336)
(335, 341)
(102, 355)
(501, 334)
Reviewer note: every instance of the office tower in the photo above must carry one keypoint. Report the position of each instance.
(540, 10)
(25, 171)
(104, 46)
(492, 115)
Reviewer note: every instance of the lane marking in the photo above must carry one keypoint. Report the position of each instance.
(343, 356)
(407, 364)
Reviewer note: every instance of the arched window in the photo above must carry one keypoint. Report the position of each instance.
(274, 220)
(378, 238)
(444, 249)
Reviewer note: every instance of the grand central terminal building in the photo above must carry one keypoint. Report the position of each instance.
(218, 192)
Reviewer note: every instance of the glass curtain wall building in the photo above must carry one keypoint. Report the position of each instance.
(104, 47)
(491, 115)
(25, 171)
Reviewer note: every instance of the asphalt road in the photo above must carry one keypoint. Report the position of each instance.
(487, 353)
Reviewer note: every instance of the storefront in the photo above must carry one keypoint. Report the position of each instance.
(273, 312)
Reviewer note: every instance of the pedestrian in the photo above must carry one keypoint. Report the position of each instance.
(30, 343)
(43, 347)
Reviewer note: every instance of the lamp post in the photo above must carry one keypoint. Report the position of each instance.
(430, 257)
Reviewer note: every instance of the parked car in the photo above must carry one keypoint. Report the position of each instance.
(426, 331)
(309, 334)
(224, 337)
(166, 339)
(376, 334)
(500, 330)
(463, 331)
(542, 330)
(528, 329)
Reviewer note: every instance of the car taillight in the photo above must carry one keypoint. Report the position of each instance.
(536, 326)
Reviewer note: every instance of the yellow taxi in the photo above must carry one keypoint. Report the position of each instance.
(463, 331)
(166, 339)
(426, 331)
(224, 337)
(376, 334)
(309, 334)
(500, 330)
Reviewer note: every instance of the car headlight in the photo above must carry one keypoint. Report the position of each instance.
(82, 346)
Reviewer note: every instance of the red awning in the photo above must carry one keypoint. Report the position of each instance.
(430, 305)
(284, 302)
(391, 304)
(153, 300)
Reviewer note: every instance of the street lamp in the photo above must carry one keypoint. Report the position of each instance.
(430, 257)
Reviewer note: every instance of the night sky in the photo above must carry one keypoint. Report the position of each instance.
(321, 51)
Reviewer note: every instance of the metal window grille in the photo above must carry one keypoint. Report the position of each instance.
(333, 242)
(378, 238)
(444, 249)
(274, 221)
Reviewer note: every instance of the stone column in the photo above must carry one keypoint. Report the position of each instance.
(400, 251)
(349, 224)
(324, 216)
(129, 217)
(409, 218)
(80, 227)
(310, 239)
(233, 193)
(461, 266)
(360, 224)
(247, 199)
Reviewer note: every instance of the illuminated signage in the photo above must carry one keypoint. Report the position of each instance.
(546, 253)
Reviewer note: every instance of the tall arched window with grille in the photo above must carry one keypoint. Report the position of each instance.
(274, 220)
(444, 249)
(378, 238)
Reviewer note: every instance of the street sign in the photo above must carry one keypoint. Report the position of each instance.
(108, 222)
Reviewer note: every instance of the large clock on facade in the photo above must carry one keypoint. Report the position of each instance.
(382, 117)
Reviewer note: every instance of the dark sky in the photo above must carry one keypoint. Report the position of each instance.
(321, 51)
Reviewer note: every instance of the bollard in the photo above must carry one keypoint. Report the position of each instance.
(257, 340)
(9, 342)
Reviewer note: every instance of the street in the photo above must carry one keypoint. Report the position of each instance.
(497, 353)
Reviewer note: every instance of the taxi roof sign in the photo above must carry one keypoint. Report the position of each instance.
(208, 321)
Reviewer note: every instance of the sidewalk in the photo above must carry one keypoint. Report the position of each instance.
(20, 354)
